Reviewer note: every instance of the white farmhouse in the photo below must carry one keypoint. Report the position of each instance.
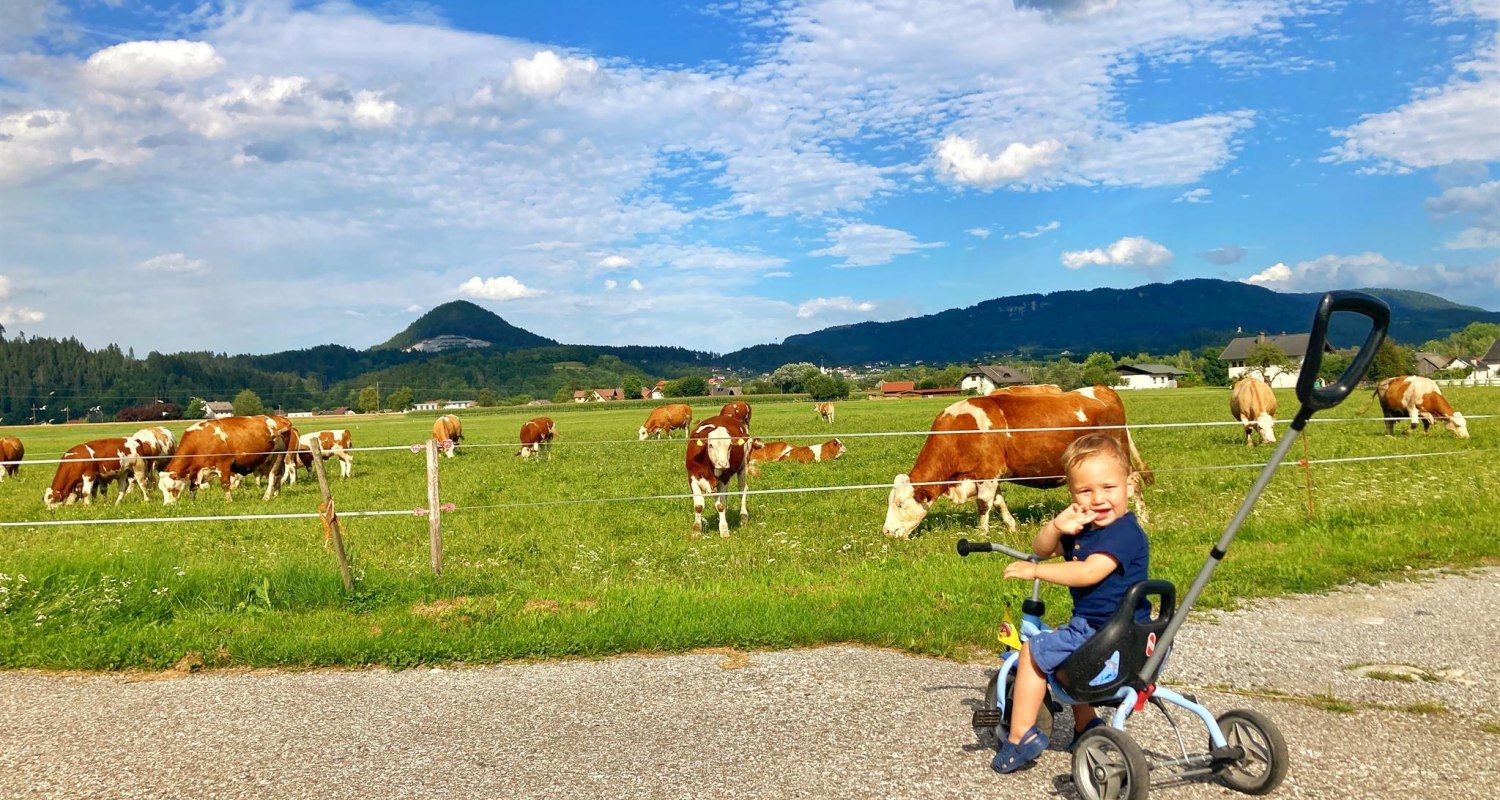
(1293, 344)
(1148, 376)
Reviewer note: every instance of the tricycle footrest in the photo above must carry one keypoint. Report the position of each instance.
(1226, 755)
(987, 717)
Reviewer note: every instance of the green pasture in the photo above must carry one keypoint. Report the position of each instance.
(533, 571)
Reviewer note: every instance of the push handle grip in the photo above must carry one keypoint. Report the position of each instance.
(966, 547)
(1330, 395)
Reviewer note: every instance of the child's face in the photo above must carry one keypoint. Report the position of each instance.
(1101, 486)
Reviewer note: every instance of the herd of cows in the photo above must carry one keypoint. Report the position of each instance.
(1014, 434)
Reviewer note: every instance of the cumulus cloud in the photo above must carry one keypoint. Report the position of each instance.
(546, 74)
(134, 66)
(865, 245)
(173, 262)
(636, 286)
(10, 315)
(1476, 285)
(500, 288)
(842, 304)
(1480, 203)
(979, 233)
(1199, 195)
(1035, 232)
(613, 262)
(610, 285)
(1228, 254)
(1132, 252)
(961, 161)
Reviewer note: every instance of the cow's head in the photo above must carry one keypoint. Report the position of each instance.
(833, 449)
(526, 451)
(904, 512)
(1458, 425)
(1265, 423)
(55, 500)
(644, 433)
(171, 487)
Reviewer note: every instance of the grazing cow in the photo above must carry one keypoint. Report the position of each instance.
(1253, 403)
(665, 419)
(447, 428)
(962, 465)
(11, 453)
(739, 409)
(825, 410)
(769, 451)
(718, 449)
(146, 452)
(536, 437)
(334, 443)
(86, 470)
(230, 447)
(827, 451)
(1420, 400)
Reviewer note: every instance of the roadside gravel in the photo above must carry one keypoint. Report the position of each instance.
(830, 722)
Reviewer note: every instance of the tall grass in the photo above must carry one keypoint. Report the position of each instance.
(532, 572)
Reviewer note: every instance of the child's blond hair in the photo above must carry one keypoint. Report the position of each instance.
(1094, 445)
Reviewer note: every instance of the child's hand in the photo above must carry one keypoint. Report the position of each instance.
(1072, 519)
(1024, 570)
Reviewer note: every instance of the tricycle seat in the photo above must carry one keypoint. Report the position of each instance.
(1114, 655)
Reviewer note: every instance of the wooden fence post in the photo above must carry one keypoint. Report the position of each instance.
(434, 526)
(331, 525)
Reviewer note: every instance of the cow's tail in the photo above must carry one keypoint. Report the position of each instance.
(719, 443)
(1147, 477)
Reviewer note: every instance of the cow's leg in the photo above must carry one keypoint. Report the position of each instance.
(697, 485)
(274, 476)
(1414, 419)
(346, 464)
(719, 505)
(744, 492)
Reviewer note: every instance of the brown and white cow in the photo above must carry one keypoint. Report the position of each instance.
(1027, 388)
(825, 411)
(11, 453)
(536, 437)
(447, 428)
(718, 449)
(664, 419)
(334, 444)
(1420, 400)
(978, 442)
(827, 451)
(230, 447)
(86, 470)
(739, 409)
(146, 452)
(769, 451)
(1253, 403)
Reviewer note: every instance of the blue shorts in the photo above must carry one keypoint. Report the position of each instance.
(1050, 649)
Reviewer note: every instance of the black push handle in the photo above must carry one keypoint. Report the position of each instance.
(1332, 394)
(966, 547)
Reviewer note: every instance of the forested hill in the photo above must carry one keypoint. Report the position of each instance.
(462, 318)
(1156, 318)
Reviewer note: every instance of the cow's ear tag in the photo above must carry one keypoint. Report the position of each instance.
(739, 442)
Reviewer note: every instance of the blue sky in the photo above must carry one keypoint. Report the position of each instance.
(266, 175)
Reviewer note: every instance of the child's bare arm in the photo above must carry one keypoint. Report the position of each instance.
(1065, 573)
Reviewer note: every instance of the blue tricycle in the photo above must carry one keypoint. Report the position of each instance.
(1119, 666)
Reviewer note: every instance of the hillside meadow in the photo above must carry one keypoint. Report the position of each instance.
(571, 557)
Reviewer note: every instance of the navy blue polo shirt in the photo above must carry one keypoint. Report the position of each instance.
(1125, 542)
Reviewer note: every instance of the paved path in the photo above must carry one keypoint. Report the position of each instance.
(831, 722)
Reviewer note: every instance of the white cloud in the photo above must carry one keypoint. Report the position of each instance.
(545, 74)
(842, 305)
(1162, 155)
(10, 315)
(1035, 232)
(173, 262)
(4, 287)
(1476, 285)
(1228, 254)
(960, 160)
(636, 286)
(1132, 252)
(864, 245)
(781, 274)
(980, 233)
(1474, 239)
(1480, 202)
(611, 284)
(500, 288)
(1199, 195)
(134, 66)
(614, 262)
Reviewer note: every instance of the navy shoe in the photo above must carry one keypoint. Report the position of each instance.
(1093, 723)
(1016, 755)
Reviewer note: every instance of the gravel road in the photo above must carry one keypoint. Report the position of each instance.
(843, 722)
